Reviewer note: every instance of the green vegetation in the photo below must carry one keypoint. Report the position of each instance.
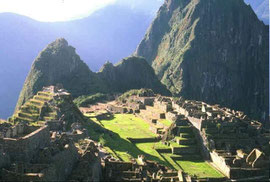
(114, 132)
(31, 110)
(127, 125)
(136, 92)
(60, 62)
(86, 100)
(175, 49)
(123, 126)
(165, 122)
(130, 73)
(199, 168)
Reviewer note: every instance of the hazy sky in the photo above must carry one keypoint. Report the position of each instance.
(63, 10)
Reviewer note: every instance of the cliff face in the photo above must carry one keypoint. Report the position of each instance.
(58, 63)
(131, 72)
(211, 50)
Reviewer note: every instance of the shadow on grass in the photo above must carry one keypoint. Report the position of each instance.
(105, 116)
(116, 143)
(170, 165)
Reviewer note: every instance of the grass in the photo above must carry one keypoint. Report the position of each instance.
(168, 159)
(127, 125)
(199, 168)
(85, 100)
(121, 126)
(165, 122)
(174, 144)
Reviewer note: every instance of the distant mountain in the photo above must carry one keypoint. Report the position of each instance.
(261, 8)
(214, 51)
(109, 34)
(58, 63)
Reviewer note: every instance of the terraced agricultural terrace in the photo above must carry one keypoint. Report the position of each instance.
(31, 111)
(127, 128)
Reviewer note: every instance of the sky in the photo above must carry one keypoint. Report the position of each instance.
(64, 10)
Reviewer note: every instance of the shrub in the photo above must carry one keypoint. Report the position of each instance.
(85, 100)
(139, 92)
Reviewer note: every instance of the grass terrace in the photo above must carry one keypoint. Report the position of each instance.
(165, 122)
(114, 134)
(199, 168)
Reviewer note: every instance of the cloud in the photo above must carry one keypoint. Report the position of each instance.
(64, 10)
(53, 10)
(146, 6)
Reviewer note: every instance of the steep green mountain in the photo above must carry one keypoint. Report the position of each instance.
(211, 50)
(58, 63)
(131, 72)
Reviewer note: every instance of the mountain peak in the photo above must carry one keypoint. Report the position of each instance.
(58, 63)
(60, 42)
(214, 51)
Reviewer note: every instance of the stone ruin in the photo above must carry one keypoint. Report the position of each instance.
(43, 155)
(236, 145)
(140, 170)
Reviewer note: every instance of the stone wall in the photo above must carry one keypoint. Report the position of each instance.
(55, 125)
(116, 109)
(202, 143)
(184, 150)
(144, 140)
(4, 159)
(13, 176)
(220, 163)
(63, 163)
(16, 131)
(148, 101)
(196, 122)
(24, 148)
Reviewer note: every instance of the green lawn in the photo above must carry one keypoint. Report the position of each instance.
(123, 126)
(199, 168)
(165, 122)
(127, 125)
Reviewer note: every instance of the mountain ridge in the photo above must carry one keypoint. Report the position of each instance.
(23, 38)
(97, 38)
(207, 51)
(59, 63)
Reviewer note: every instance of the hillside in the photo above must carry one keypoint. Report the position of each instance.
(131, 72)
(97, 38)
(215, 51)
(58, 64)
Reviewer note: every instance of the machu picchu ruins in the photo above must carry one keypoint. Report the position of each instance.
(184, 100)
(49, 138)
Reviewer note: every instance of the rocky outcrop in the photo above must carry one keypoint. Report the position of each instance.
(214, 51)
